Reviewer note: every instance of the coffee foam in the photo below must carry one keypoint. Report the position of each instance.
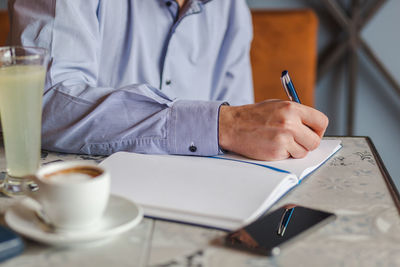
(73, 175)
(69, 178)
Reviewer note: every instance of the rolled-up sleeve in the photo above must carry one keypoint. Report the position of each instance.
(81, 117)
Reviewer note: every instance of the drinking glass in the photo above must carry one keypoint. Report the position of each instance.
(22, 77)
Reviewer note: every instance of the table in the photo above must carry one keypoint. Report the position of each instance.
(353, 184)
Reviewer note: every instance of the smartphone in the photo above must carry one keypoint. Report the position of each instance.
(11, 244)
(269, 233)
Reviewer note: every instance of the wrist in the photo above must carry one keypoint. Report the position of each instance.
(225, 123)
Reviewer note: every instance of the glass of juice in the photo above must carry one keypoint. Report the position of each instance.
(22, 78)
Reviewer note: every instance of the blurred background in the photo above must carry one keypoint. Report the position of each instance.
(377, 104)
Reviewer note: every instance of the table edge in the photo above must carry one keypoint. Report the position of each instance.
(388, 179)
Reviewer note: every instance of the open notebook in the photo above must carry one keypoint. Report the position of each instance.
(223, 192)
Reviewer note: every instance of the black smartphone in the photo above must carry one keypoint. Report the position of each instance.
(267, 234)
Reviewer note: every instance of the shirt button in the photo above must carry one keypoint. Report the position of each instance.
(169, 3)
(192, 148)
(168, 82)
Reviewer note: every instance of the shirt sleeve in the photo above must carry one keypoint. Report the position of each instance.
(80, 117)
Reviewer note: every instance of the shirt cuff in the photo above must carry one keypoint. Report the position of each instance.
(192, 128)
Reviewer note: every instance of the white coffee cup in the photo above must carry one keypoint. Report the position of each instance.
(73, 195)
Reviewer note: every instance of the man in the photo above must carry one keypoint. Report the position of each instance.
(155, 76)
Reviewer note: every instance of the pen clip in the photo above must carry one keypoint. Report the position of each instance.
(285, 221)
(289, 87)
(285, 86)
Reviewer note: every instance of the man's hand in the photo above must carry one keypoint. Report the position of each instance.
(271, 130)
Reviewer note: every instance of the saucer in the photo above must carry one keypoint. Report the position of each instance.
(120, 216)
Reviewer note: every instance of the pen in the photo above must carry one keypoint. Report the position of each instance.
(289, 87)
(285, 221)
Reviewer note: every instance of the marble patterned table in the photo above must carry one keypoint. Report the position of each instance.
(353, 184)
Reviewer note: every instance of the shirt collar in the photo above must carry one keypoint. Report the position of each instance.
(193, 6)
(196, 6)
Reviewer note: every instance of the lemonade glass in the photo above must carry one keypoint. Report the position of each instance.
(22, 78)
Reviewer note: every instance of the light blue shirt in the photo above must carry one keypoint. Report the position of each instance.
(137, 75)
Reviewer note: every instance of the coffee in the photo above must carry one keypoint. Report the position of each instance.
(73, 175)
(65, 192)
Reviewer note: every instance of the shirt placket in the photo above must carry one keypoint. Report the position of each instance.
(192, 7)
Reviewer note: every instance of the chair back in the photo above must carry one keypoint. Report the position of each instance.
(4, 27)
(284, 40)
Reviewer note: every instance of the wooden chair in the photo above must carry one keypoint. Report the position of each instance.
(4, 27)
(284, 40)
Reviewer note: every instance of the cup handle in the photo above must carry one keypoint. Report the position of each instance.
(31, 187)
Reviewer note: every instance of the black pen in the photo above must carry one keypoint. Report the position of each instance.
(289, 87)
